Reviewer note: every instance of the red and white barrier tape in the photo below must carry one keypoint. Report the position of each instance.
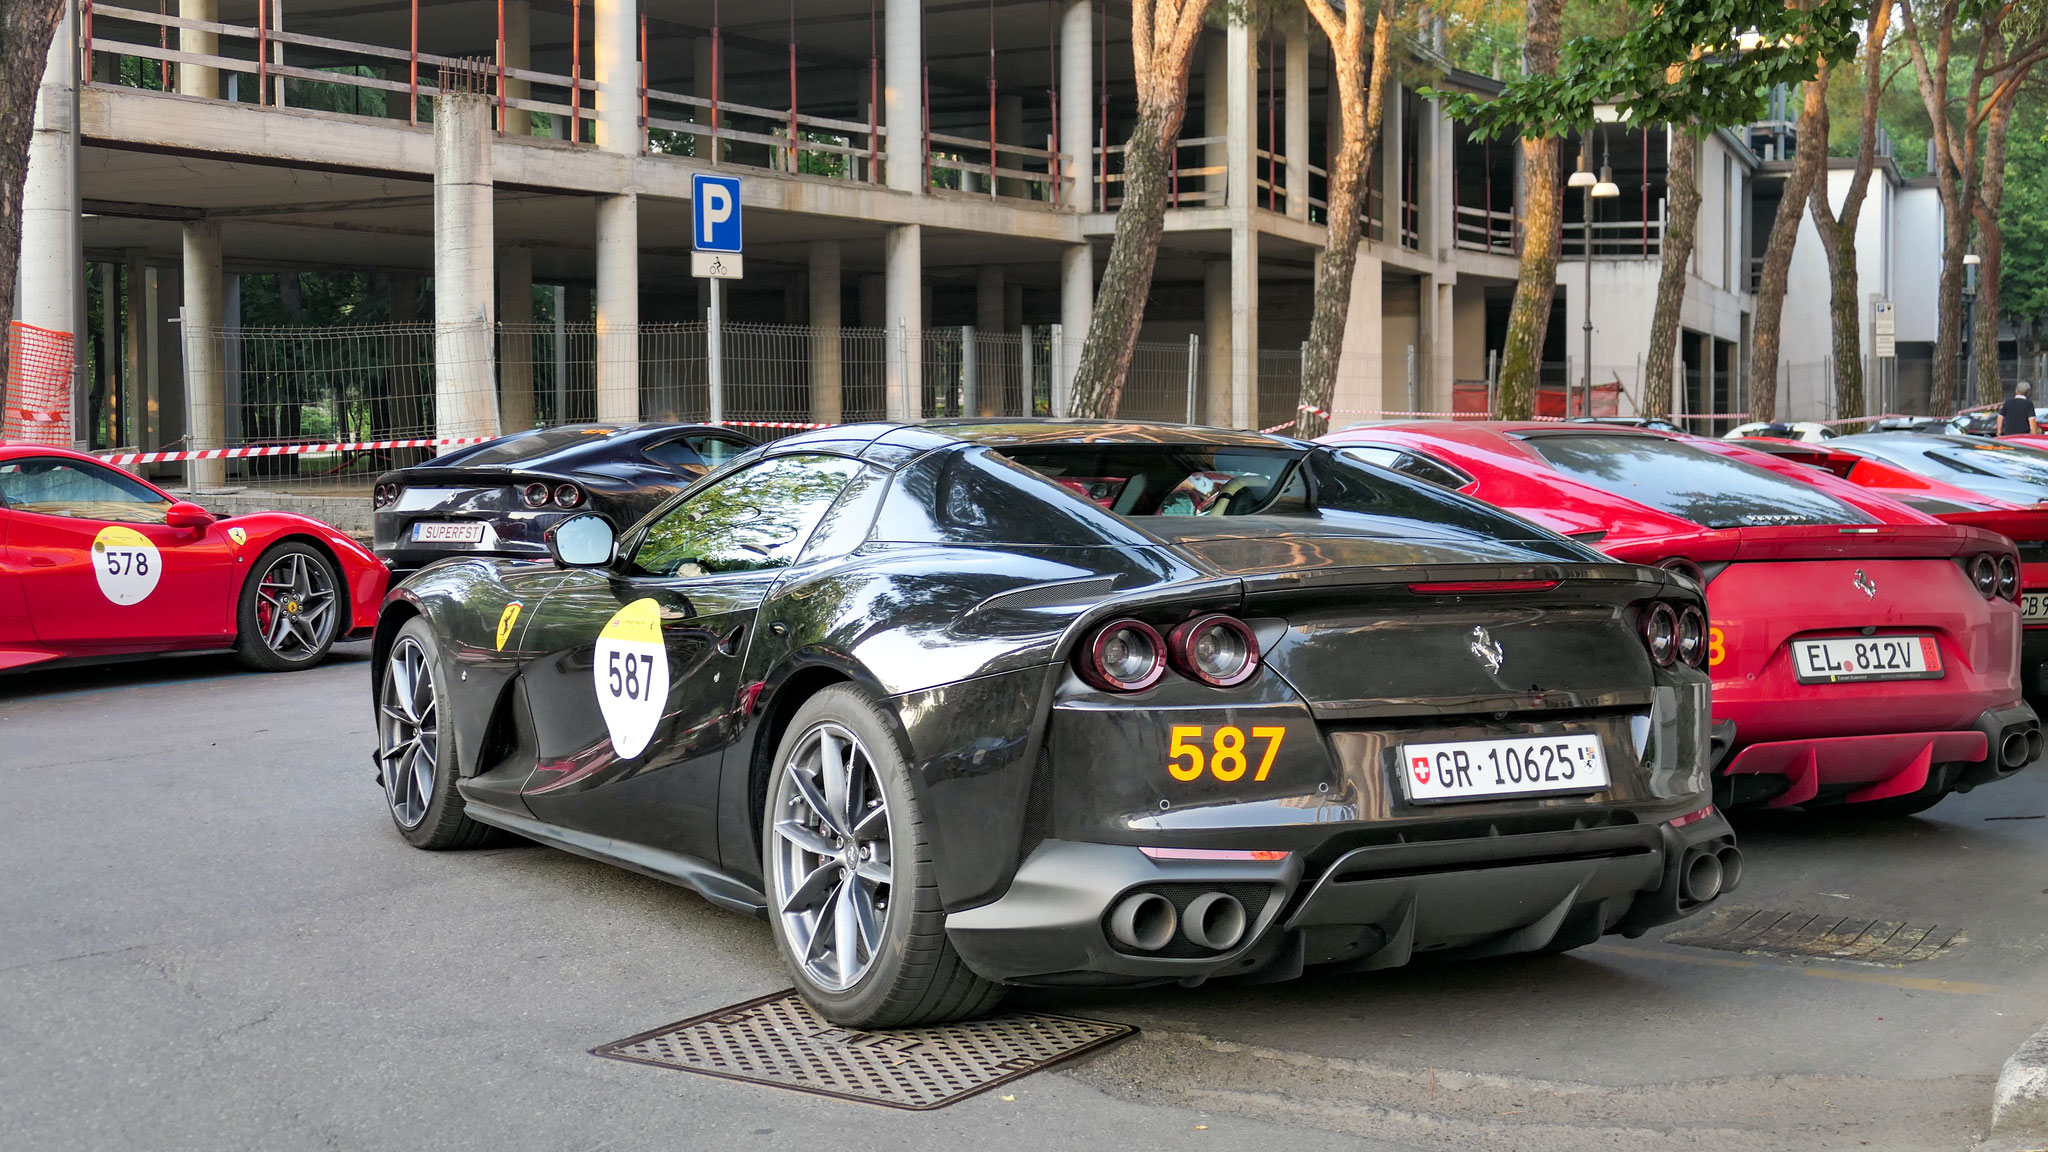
(285, 450)
(796, 424)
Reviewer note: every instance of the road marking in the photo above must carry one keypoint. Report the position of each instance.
(1906, 983)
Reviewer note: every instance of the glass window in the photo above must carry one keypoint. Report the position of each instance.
(59, 487)
(1346, 484)
(2009, 461)
(697, 454)
(1409, 464)
(521, 447)
(975, 496)
(1171, 479)
(756, 518)
(1710, 490)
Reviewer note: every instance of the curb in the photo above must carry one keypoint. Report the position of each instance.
(2019, 1102)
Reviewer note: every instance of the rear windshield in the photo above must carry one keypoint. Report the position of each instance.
(2008, 460)
(1707, 489)
(1173, 480)
(524, 446)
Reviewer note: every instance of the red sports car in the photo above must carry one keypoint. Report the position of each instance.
(1862, 652)
(97, 564)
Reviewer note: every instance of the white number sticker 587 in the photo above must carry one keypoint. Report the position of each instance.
(631, 674)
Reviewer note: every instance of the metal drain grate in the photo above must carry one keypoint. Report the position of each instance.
(1770, 930)
(778, 1040)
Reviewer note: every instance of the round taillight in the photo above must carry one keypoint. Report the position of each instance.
(534, 495)
(1685, 568)
(1124, 656)
(1984, 574)
(1692, 636)
(2008, 577)
(1660, 633)
(1219, 651)
(568, 496)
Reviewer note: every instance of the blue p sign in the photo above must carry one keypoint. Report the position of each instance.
(714, 213)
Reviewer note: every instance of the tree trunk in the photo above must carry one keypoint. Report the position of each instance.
(1542, 221)
(1807, 162)
(25, 28)
(1991, 249)
(1361, 103)
(1955, 154)
(1838, 236)
(1681, 224)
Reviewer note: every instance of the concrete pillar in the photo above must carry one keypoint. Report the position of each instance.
(518, 48)
(1244, 326)
(1216, 114)
(618, 308)
(903, 94)
(615, 32)
(1439, 369)
(515, 339)
(47, 291)
(903, 292)
(1361, 385)
(1241, 91)
(827, 392)
(194, 80)
(465, 387)
(1296, 110)
(1077, 306)
(1077, 102)
(1216, 342)
(204, 378)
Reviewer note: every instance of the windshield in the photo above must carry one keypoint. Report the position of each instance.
(1173, 480)
(1707, 489)
(532, 445)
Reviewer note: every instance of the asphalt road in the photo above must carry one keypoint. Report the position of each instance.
(210, 938)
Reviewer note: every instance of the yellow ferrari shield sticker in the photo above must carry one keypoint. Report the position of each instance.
(238, 536)
(506, 619)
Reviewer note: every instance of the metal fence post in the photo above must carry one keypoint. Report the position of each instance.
(715, 353)
(1029, 381)
(1492, 381)
(1056, 360)
(1194, 358)
(969, 376)
(1414, 382)
(561, 356)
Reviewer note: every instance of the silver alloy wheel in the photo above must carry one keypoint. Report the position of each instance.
(295, 606)
(408, 731)
(832, 864)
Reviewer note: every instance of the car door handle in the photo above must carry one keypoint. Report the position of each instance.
(778, 628)
(41, 562)
(730, 646)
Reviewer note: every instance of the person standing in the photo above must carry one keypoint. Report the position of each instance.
(2016, 417)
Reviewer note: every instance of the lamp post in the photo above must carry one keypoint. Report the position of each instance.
(1601, 187)
(1970, 262)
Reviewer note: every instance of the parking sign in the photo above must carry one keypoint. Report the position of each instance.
(714, 213)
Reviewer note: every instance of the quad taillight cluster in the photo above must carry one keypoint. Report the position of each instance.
(1995, 576)
(1674, 633)
(539, 495)
(1127, 655)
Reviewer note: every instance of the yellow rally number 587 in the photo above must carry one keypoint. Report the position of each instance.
(1225, 757)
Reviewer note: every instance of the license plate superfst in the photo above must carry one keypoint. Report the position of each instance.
(1851, 659)
(447, 532)
(1454, 770)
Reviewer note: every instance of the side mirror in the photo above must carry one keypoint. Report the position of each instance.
(582, 542)
(185, 514)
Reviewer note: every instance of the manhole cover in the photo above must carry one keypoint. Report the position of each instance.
(1781, 933)
(778, 1040)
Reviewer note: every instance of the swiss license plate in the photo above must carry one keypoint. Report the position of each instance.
(1514, 766)
(2035, 607)
(444, 532)
(1852, 658)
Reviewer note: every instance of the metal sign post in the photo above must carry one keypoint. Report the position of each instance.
(715, 243)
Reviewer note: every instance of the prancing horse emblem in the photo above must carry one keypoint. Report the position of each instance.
(1487, 649)
(1868, 585)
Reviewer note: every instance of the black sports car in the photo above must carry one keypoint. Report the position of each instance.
(964, 705)
(499, 498)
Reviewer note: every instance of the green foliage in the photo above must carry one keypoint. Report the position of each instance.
(1717, 81)
(2023, 270)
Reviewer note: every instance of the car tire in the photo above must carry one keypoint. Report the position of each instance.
(911, 975)
(291, 609)
(416, 762)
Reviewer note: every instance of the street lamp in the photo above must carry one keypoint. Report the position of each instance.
(1602, 188)
(1970, 262)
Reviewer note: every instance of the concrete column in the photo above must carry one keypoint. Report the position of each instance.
(903, 292)
(1242, 92)
(1439, 371)
(515, 341)
(1077, 102)
(827, 394)
(1077, 305)
(1216, 113)
(1361, 376)
(134, 354)
(204, 378)
(1393, 146)
(1296, 110)
(1244, 326)
(47, 291)
(194, 80)
(618, 308)
(518, 54)
(1217, 346)
(903, 93)
(465, 387)
(615, 32)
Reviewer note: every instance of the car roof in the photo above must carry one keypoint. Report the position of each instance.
(879, 439)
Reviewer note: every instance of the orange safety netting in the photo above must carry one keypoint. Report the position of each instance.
(38, 395)
(1468, 398)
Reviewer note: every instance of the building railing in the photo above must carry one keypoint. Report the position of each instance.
(1614, 240)
(1481, 230)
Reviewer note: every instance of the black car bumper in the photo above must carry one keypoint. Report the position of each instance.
(1374, 907)
(2034, 662)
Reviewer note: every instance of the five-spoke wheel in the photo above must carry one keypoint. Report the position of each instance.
(291, 609)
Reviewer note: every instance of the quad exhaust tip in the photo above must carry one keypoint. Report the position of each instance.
(1214, 920)
(1144, 921)
(2019, 748)
(1731, 868)
(1702, 879)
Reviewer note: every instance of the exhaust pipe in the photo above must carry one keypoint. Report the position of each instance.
(1144, 921)
(2014, 750)
(1702, 879)
(1214, 920)
(1731, 868)
(2034, 745)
